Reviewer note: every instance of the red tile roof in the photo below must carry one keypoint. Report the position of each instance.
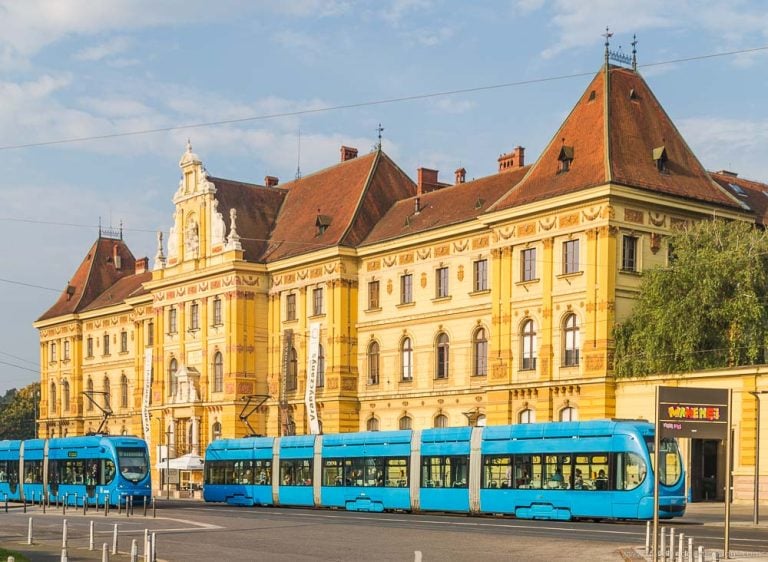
(131, 286)
(752, 193)
(96, 273)
(443, 207)
(613, 131)
(354, 194)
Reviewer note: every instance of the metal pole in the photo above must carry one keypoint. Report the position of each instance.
(728, 470)
(168, 463)
(756, 492)
(114, 540)
(690, 549)
(90, 536)
(672, 544)
(656, 440)
(134, 550)
(29, 532)
(647, 538)
(680, 547)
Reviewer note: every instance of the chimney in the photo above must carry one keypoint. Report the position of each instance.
(116, 259)
(417, 205)
(271, 181)
(142, 265)
(512, 160)
(427, 180)
(728, 173)
(348, 153)
(461, 176)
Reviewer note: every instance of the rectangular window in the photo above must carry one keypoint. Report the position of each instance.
(373, 295)
(480, 275)
(106, 344)
(123, 342)
(528, 264)
(629, 253)
(217, 312)
(66, 351)
(194, 316)
(317, 301)
(89, 347)
(571, 256)
(290, 306)
(406, 289)
(441, 282)
(296, 472)
(171, 320)
(445, 472)
(150, 333)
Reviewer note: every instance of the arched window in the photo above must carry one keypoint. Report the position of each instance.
(373, 363)
(569, 413)
(218, 372)
(570, 341)
(528, 351)
(216, 431)
(405, 422)
(480, 353)
(173, 366)
(123, 391)
(320, 366)
(52, 398)
(372, 424)
(65, 396)
(406, 360)
(528, 416)
(292, 381)
(89, 387)
(441, 420)
(441, 369)
(107, 395)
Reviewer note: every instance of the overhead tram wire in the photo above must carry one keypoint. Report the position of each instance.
(369, 103)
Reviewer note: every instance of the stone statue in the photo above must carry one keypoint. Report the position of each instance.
(191, 238)
(173, 240)
(233, 242)
(218, 228)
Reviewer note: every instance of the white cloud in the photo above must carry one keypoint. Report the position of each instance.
(304, 43)
(397, 10)
(454, 106)
(431, 37)
(114, 46)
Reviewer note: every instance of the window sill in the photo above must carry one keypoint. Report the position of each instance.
(632, 272)
(479, 375)
(369, 383)
(123, 352)
(527, 369)
(441, 299)
(406, 381)
(570, 275)
(526, 282)
(318, 315)
(290, 321)
(375, 309)
(570, 366)
(193, 330)
(405, 304)
(479, 292)
(441, 379)
(217, 325)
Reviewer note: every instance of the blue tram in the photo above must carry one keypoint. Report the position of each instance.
(592, 469)
(89, 469)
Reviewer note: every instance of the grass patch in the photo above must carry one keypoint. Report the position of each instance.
(4, 554)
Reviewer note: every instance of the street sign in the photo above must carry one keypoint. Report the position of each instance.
(697, 413)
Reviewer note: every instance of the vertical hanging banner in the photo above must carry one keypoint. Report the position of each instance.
(286, 363)
(146, 395)
(310, 401)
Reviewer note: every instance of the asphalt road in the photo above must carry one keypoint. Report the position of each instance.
(198, 531)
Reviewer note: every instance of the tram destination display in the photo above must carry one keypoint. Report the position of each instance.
(700, 413)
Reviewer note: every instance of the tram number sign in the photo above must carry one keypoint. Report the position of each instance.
(699, 413)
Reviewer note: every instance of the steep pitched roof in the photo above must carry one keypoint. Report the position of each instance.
(96, 273)
(443, 207)
(349, 199)
(257, 208)
(612, 135)
(130, 286)
(753, 194)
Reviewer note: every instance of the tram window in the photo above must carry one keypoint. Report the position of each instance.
(296, 472)
(374, 471)
(3, 471)
(497, 472)
(593, 470)
(262, 470)
(332, 472)
(396, 474)
(243, 472)
(353, 472)
(219, 472)
(529, 471)
(444, 472)
(630, 471)
(669, 458)
(33, 472)
(133, 461)
(558, 471)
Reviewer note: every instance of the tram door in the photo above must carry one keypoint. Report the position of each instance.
(706, 470)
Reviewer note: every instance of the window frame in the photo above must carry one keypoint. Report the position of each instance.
(479, 352)
(571, 340)
(290, 307)
(373, 295)
(442, 356)
(528, 345)
(173, 326)
(571, 262)
(406, 288)
(373, 360)
(218, 319)
(317, 301)
(528, 264)
(442, 285)
(194, 316)
(406, 359)
(218, 372)
(629, 253)
(480, 275)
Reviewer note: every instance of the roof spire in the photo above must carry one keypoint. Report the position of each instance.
(189, 146)
(634, 52)
(379, 129)
(607, 36)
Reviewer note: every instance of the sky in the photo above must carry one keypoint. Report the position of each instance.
(75, 69)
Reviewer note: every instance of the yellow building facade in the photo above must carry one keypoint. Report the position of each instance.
(490, 301)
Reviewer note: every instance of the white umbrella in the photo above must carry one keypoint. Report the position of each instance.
(186, 462)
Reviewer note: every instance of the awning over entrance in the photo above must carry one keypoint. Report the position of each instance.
(186, 462)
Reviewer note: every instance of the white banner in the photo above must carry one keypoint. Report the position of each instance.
(309, 395)
(147, 394)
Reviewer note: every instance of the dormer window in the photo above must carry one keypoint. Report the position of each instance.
(566, 159)
(660, 158)
(322, 223)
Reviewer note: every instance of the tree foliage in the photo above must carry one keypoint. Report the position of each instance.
(708, 309)
(17, 412)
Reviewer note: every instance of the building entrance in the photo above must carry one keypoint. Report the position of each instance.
(706, 470)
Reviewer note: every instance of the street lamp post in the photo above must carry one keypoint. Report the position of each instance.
(756, 509)
(168, 463)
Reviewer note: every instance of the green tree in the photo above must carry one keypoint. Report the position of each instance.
(707, 309)
(17, 412)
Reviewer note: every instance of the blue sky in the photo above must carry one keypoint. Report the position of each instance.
(78, 68)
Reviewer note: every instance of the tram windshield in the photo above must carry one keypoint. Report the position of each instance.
(132, 463)
(669, 458)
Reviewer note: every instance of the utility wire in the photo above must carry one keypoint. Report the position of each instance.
(29, 285)
(369, 103)
(37, 371)
(19, 358)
